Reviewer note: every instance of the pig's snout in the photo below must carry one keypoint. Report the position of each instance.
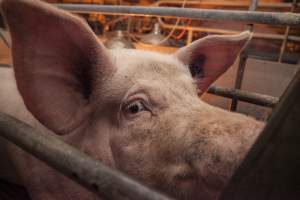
(210, 165)
(200, 173)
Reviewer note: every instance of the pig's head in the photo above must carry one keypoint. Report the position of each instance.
(136, 111)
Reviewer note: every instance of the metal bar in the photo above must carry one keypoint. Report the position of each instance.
(291, 19)
(249, 97)
(224, 4)
(5, 41)
(270, 170)
(239, 78)
(222, 31)
(189, 37)
(71, 162)
(286, 34)
(4, 65)
(242, 61)
(283, 45)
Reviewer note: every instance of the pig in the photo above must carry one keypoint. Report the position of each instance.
(136, 111)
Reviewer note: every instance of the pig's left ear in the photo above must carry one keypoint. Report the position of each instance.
(210, 57)
(58, 63)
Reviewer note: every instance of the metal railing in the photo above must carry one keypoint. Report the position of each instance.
(270, 170)
(287, 32)
(243, 60)
(251, 17)
(223, 4)
(287, 19)
(249, 97)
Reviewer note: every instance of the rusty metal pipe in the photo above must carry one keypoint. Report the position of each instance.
(286, 33)
(225, 4)
(243, 60)
(73, 163)
(249, 97)
(274, 18)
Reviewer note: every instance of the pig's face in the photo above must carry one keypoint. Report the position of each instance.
(163, 134)
(137, 111)
(155, 130)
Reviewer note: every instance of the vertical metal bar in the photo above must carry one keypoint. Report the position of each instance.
(286, 34)
(243, 60)
(189, 37)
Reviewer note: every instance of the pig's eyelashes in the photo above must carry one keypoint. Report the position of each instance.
(134, 107)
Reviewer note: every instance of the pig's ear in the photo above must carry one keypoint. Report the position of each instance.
(210, 57)
(57, 60)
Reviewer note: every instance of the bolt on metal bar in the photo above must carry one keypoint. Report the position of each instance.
(73, 163)
(243, 60)
(286, 34)
(270, 170)
(273, 18)
(249, 97)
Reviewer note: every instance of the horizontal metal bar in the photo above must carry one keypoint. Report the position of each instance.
(71, 162)
(4, 65)
(274, 18)
(249, 97)
(225, 4)
(222, 31)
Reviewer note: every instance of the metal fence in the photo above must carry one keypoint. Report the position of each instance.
(274, 18)
(107, 182)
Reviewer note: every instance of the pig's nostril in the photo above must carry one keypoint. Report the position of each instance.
(195, 151)
(193, 155)
(186, 176)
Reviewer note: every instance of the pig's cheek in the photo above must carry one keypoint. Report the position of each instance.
(125, 156)
(116, 145)
(119, 141)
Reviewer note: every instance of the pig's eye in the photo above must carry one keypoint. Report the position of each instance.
(134, 107)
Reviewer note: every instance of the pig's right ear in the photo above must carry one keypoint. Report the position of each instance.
(57, 60)
(208, 58)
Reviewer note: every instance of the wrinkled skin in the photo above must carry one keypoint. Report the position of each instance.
(138, 112)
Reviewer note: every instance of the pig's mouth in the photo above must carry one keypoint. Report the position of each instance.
(187, 185)
(186, 180)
